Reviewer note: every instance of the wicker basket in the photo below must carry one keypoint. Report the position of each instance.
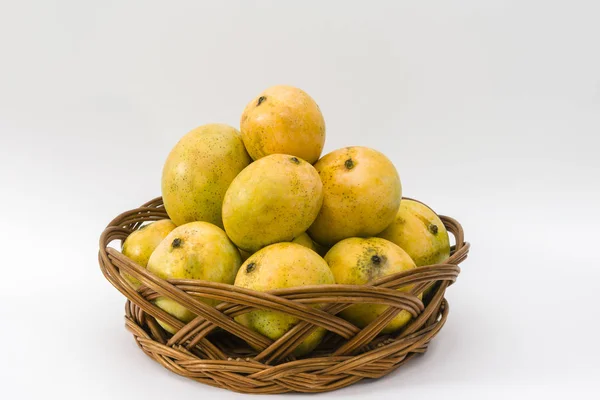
(213, 348)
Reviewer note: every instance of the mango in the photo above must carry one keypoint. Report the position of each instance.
(196, 250)
(420, 232)
(280, 266)
(357, 261)
(274, 199)
(303, 240)
(361, 195)
(306, 241)
(283, 120)
(198, 172)
(140, 244)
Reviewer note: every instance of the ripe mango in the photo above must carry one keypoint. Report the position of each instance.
(280, 266)
(197, 250)
(357, 261)
(141, 243)
(306, 241)
(198, 172)
(275, 199)
(361, 195)
(420, 232)
(303, 240)
(283, 120)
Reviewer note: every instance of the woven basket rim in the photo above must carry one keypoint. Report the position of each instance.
(213, 348)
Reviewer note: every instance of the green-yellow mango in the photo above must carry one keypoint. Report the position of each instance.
(357, 261)
(303, 240)
(274, 199)
(306, 241)
(198, 172)
(196, 250)
(361, 195)
(420, 232)
(140, 244)
(283, 120)
(281, 266)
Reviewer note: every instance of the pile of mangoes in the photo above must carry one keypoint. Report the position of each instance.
(261, 209)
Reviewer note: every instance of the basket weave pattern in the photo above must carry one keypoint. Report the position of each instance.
(213, 348)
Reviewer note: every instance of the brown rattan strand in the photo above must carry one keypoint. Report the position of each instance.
(214, 349)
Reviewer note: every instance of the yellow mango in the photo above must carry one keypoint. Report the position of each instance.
(140, 244)
(196, 250)
(281, 266)
(275, 199)
(198, 172)
(420, 232)
(283, 120)
(357, 261)
(361, 195)
(306, 241)
(303, 240)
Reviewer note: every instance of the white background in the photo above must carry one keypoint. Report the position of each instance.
(489, 109)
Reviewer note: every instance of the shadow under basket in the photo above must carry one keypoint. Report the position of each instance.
(216, 350)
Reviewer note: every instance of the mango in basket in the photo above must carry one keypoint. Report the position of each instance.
(197, 250)
(283, 120)
(357, 261)
(274, 199)
(361, 195)
(306, 241)
(198, 172)
(280, 266)
(303, 240)
(420, 232)
(141, 243)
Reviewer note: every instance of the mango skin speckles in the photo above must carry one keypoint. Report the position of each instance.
(280, 266)
(140, 245)
(420, 232)
(197, 250)
(275, 199)
(283, 120)
(357, 261)
(198, 172)
(361, 195)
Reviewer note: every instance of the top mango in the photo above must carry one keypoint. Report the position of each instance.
(283, 120)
